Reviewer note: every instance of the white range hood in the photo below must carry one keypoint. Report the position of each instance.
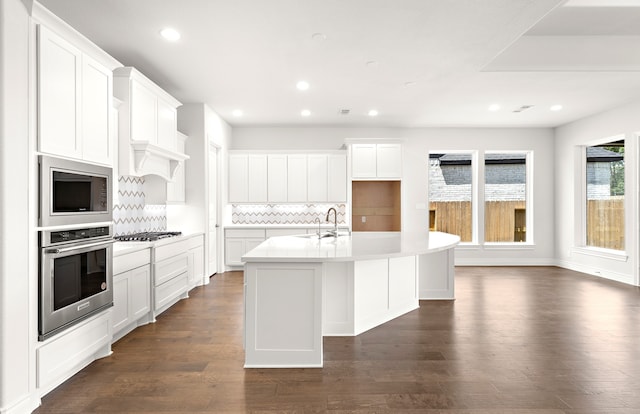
(147, 126)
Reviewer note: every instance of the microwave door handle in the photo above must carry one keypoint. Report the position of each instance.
(81, 247)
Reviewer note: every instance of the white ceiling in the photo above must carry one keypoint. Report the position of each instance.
(460, 55)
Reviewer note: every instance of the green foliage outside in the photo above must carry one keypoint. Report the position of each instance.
(617, 172)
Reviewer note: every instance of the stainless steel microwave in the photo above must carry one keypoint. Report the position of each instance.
(73, 192)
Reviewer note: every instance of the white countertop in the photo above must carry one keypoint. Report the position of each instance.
(120, 248)
(357, 246)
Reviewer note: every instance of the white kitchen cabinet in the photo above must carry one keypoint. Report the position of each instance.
(277, 178)
(147, 126)
(373, 161)
(131, 292)
(240, 241)
(74, 101)
(238, 178)
(170, 274)
(257, 171)
(196, 261)
(287, 178)
(297, 178)
(337, 178)
(389, 161)
(317, 178)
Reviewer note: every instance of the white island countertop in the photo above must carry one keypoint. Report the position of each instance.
(357, 246)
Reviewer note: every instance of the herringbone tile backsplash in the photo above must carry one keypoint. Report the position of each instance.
(131, 214)
(284, 213)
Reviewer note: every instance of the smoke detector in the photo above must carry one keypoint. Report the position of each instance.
(344, 111)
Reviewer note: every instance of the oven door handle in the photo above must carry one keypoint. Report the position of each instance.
(79, 247)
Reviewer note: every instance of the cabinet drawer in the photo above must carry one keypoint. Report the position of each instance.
(244, 233)
(131, 261)
(170, 290)
(170, 268)
(172, 249)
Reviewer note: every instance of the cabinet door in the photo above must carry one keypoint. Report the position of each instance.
(121, 308)
(96, 108)
(316, 178)
(277, 178)
(167, 125)
(238, 178)
(389, 161)
(363, 160)
(251, 244)
(140, 292)
(233, 251)
(143, 114)
(59, 74)
(297, 178)
(196, 269)
(337, 178)
(257, 178)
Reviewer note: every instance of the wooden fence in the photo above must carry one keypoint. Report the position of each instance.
(505, 221)
(605, 223)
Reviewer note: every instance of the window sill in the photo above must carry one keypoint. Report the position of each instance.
(610, 254)
(496, 246)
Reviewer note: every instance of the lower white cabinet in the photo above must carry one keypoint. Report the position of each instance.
(170, 274)
(63, 355)
(131, 292)
(240, 241)
(196, 261)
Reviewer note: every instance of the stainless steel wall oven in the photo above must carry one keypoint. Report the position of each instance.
(76, 276)
(73, 192)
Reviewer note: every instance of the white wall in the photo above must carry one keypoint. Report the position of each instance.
(17, 306)
(416, 146)
(625, 121)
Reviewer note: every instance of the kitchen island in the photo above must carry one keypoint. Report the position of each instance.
(301, 288)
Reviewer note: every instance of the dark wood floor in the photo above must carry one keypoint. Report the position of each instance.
(516, 340)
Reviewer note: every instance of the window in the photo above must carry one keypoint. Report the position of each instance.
(605, 195)
(451, 194)
(505, 194)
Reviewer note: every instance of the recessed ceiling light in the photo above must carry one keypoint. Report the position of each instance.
(302, 85)
(372, 63)
(409, 84)
(319, 36)
(556, 108)
(237, 112)
(373, 112)
(305, 112)
(494, 107)
(170, 34)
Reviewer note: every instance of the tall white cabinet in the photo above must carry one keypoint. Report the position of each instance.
(74, 101)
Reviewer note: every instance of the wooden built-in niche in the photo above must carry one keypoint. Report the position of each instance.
(379, 203)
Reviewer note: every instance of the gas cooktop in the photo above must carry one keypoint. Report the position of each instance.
(148, 236)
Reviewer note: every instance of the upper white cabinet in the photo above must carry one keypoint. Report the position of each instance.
(238, 178)
(276, 176)
(74, 101)
(376, 160)
(147, 126)
(287, 178)
(258, 178)
(337, 177)
(296, 184)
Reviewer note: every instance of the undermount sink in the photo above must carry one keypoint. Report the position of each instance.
(322, 235)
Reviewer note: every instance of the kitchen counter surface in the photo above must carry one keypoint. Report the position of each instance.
(357, 246)
(125, 247)
(284, 226)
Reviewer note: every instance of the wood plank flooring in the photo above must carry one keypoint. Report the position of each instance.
(522, 340)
